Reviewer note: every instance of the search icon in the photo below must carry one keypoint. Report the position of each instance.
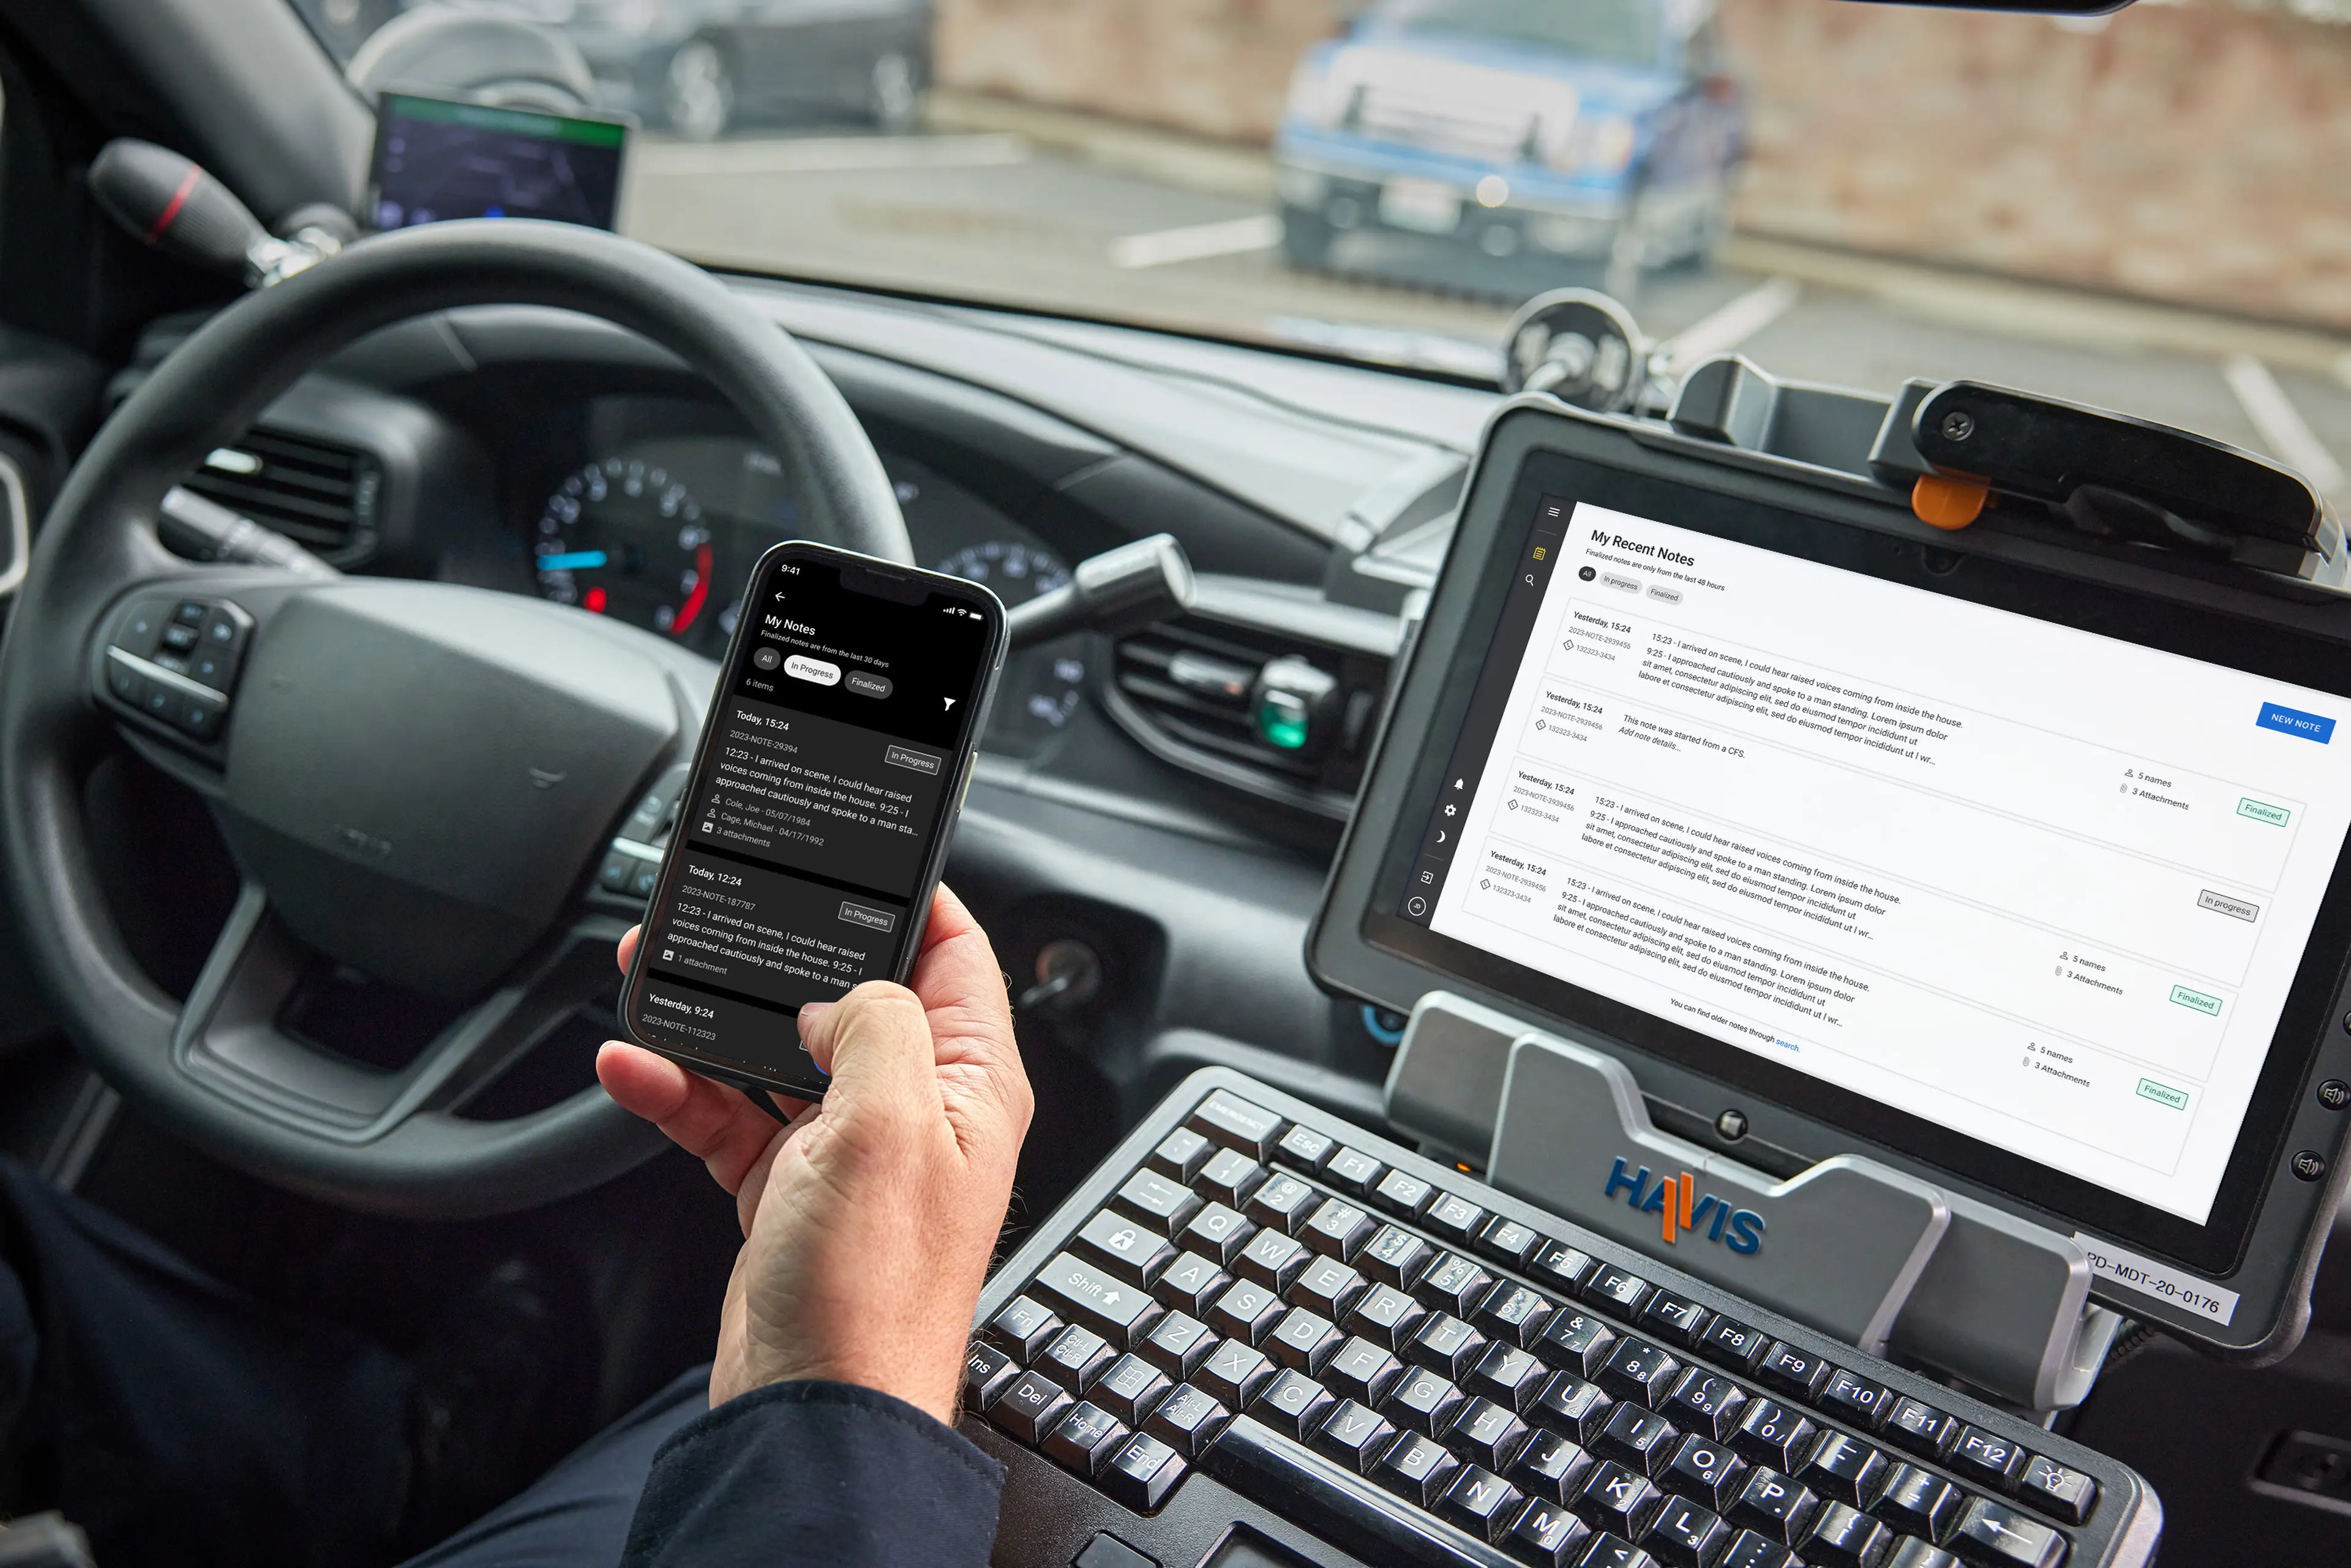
(1530, 579)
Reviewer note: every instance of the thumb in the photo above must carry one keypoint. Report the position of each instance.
(875, 1045)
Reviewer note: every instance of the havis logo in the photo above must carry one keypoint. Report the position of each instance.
(1675, 1199)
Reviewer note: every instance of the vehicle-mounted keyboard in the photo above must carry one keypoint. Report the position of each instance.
(1257, 1315)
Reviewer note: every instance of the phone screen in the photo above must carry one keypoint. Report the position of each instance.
(813, 830)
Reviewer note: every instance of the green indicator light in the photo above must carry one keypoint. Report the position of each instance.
(1282, 719)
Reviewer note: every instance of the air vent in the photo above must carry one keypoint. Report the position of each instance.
(1267, 692)
(320, 495)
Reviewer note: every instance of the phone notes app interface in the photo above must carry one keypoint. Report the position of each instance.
(835, 738)
(2037, 885)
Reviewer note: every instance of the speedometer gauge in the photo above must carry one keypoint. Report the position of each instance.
(623, 538)
(1016, 572)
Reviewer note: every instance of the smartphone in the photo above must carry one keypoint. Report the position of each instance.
(815, 824)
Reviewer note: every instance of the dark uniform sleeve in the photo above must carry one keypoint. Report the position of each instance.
(825, 1475)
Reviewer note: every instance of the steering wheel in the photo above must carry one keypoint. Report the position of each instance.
(417, 779)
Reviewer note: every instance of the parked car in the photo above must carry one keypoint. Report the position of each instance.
(1537, 133)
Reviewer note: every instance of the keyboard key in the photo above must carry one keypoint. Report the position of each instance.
(2052, 1489)
(1394, 1256)
(1387, 1316)
(1217, 1232)
(1727, 1338)
(1481, 1502)
(1130, 1389)
(1573, 1405)
(1134, 1252)
(1177, 1343)
(1771, 1433)
(1187, 1420)
(1022, 1326)
(1454, 1284)
(1918, 1502)
(1452, 1216)
(1353, 1171)
(1856, 1399)
(1635, 1369)
(1508, 1241)
(1418, 1466)
(1507, 1374)
(1305, 1149)
(1794, 1371)
(1180, 1155)
(1233, 1372)
(1445, 1343)
(1083, 1438)
(1489, 1433)
(1401, 1192)
(1547, 1535)
(1909, 1551)
(1677, 1318)
(1920, 1428)
(1356, 1435)
(1770, 1503)
(1361, 1370)
(1158, 1202)
(1247, 1310)
(1229, 1177)
(1304, 1340)
(1322, 1285)
(1614, 1499)
(1640, 1440)
(1337, 1230)
(1076, 1357)
(1986, 1456)
(1029, 1406)
(1749, 1550)
(1842, 1537)
(1191, 1282)
(986, 1371)
(1576, 1340)
(1511, 1312)
(1551, 1466)
(1845, 1468)
(1705, 1469)
(1557, 1263)
(1142, 1471)
(1707, 1401)
(1273, 1259)
(1609, 1550)
(1997, 1536)
(1685, 1535)
(1237, 1125)
(1612, 1286)
(1293, 1403)
(1423, 1401)
(1283, 1203)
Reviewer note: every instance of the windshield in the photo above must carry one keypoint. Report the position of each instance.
(2145, 211)
(1602, 29)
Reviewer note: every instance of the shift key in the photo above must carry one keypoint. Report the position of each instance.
(1119, 1311)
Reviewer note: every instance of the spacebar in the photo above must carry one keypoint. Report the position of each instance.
(1308, 1490)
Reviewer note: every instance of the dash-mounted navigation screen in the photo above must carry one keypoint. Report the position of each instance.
(2041, 887)
(437, 159)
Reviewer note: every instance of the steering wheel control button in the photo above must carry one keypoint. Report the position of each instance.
(2335, 1093)
(2310, 1165)
(178, 638)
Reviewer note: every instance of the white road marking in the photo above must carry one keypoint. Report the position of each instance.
(1197, 242)
(2288, 435)
(1728, 327)
(828, 154)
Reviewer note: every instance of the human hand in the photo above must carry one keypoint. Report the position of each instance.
(868, 1219)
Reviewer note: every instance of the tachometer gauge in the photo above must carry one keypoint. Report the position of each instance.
(623, 538)
(1014, 571)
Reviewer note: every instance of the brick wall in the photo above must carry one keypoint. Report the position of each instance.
(2190, 152)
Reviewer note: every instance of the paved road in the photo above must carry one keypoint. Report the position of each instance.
(998, 217)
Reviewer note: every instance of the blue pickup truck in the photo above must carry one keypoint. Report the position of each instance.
(1534, 135)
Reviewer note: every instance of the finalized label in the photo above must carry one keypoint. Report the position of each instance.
(2161, 1281)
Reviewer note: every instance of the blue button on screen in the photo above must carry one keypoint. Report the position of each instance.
(2294, 721)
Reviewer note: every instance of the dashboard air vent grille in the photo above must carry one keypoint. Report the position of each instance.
(320, 494)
